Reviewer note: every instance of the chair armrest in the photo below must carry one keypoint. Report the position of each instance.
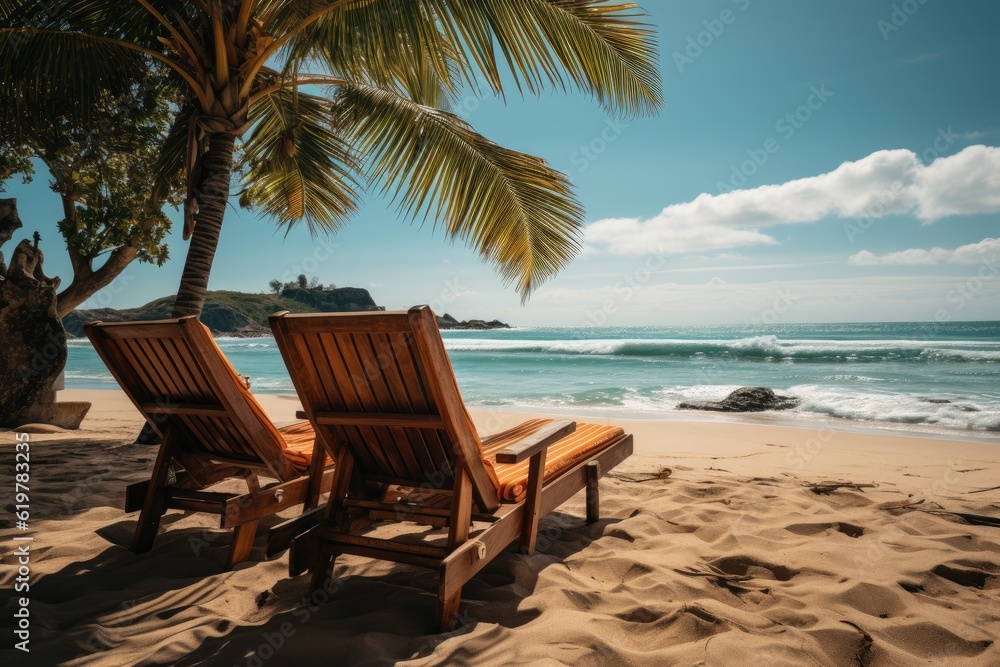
(300, 414)
(530, 445)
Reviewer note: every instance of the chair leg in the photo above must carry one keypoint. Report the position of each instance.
(446, 613)
(533, 503)
(155, 503)
(315, 485)
(322, 573)
(593, 492)
(239, 550)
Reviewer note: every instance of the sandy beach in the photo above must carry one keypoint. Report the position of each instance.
(731, 560)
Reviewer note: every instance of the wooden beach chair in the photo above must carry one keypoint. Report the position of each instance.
(211, 424)
(379, 390)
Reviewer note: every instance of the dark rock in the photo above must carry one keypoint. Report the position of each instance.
(250, 331)
(10, 222)
(338, 300)
(940, 401)
(223, 318)
(745, 399)
(446, 321)
(33, 349)
(243, 315)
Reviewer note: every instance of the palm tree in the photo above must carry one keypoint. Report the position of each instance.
(327, 96)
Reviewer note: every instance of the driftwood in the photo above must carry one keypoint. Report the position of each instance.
(826, 488)
(992, 488)
(650, 477)
(713, 572)
(916, 506)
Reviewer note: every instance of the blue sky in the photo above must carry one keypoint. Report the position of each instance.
(764, 101)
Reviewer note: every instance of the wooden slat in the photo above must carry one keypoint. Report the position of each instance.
(389, 364)
(393, 555)
(380, 419)
(386, 403)
(351, 323)
(139, 362)
(265, 502)
(128, 330)
(439, 452)
(162, 374)
(332, 536)
(442, 383)
(398, 508)
(402, 481)
(530, 445)
(184, 409)
(366, 395)
(186, 367)
(204, 505)
(325, 347)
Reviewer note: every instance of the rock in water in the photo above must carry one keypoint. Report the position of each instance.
(745, 399)
(33, 352)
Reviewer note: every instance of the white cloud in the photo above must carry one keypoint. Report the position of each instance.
(716, 281)
(986, 250)
(376, 284)
(890, 182)
(962, 184)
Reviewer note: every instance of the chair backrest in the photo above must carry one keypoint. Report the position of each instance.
(381, 383)
(178, 378)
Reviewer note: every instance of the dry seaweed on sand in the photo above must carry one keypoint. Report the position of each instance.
(826, 488)
(912, 505)
(646, 477)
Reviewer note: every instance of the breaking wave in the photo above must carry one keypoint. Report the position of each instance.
(764, 348)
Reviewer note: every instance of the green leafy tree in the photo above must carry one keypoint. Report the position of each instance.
(104, 172)
(389, 70)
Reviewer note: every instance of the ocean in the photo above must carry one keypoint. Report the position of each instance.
(924, 377)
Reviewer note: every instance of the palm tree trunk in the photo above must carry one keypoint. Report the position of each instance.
(217, 170)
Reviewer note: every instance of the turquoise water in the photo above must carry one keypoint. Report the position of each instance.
(879, 374)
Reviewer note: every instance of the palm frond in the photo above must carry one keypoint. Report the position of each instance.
(605, 49)
(602, 48)
(517, 212)
(171, 159)
(295, 166)
(53, 73)
(392, 43)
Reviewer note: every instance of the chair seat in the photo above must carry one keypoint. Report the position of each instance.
(299, 440)
(513, 477)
